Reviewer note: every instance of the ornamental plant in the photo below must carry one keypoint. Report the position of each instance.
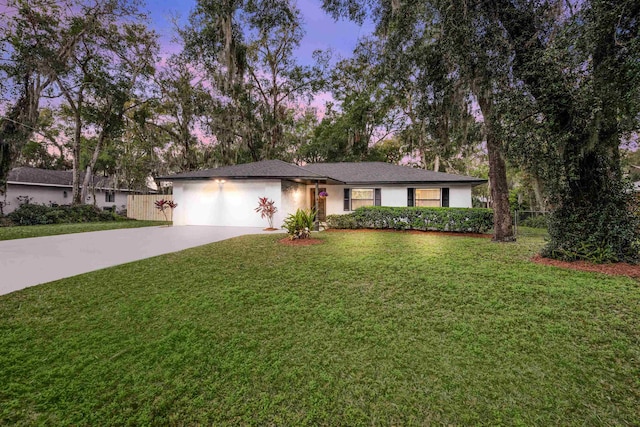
(266, 208)
(323, 194)
(299, 225)
(162, 205)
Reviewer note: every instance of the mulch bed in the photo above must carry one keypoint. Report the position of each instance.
(385, 230)
(617, 269)
(300, 242)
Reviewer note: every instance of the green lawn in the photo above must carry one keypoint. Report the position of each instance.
(531, 232)
(368, 328)
(23, 232)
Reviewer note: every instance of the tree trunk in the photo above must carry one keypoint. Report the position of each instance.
(91, 167)
(536, 184)
(77, 198)
(502, 223)
(84, 191)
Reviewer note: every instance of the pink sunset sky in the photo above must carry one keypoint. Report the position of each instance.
(322, 32)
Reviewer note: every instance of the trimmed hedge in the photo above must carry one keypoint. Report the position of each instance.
(33, 214)
(459, 220)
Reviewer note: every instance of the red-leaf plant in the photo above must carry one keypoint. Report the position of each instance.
(162, 206)
(266, 208)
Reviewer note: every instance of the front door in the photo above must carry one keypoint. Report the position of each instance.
(322, 211)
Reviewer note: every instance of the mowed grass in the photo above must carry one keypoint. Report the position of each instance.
(368, 328)
(23, 232)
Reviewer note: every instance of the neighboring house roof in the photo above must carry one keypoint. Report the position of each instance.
(53, 178)
(341, 173)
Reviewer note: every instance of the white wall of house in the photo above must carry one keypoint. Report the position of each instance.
(394, 195)
(231, 203)
(294, 197)
(460, 197)
(45, 195)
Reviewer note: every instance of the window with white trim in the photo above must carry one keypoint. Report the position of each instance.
(109, 196)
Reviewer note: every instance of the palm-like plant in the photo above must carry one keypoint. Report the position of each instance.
(266, 208)
(162, 206)
(300, 224)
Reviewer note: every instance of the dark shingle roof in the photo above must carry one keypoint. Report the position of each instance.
(385, 173)
(29, 175)
(346, 173)
(265, 169)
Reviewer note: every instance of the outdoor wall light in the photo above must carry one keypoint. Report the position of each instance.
(220, 181)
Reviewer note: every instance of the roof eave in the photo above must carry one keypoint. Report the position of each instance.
(42, 184)
(244, 178)
(473, 183)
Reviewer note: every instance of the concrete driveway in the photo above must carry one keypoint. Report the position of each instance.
(29, 262)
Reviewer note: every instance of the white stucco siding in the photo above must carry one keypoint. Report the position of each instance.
(38, 195)
(231, 203)
(294, 197)
(120, 201)
(334, 202)
(395, 195)
(46, 195)
(207, 202)
(460, 197)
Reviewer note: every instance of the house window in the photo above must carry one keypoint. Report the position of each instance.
(357, 197)
(429, 197)
(110, 196)
(361, 197)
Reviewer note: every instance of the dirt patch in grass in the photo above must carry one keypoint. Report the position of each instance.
(300, 242)
(617, 269)
(437, 233)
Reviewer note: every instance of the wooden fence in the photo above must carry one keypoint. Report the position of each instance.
(142, 206)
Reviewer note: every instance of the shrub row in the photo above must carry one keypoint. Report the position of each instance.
(33, 214)
(459, 220)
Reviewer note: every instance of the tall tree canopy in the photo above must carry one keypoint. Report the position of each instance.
(578, 81)
(436, 52)
(39, 41)
(247, 48)
(557, 86)
(89, 54)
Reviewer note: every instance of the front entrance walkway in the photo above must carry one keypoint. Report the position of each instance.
(29, 262)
